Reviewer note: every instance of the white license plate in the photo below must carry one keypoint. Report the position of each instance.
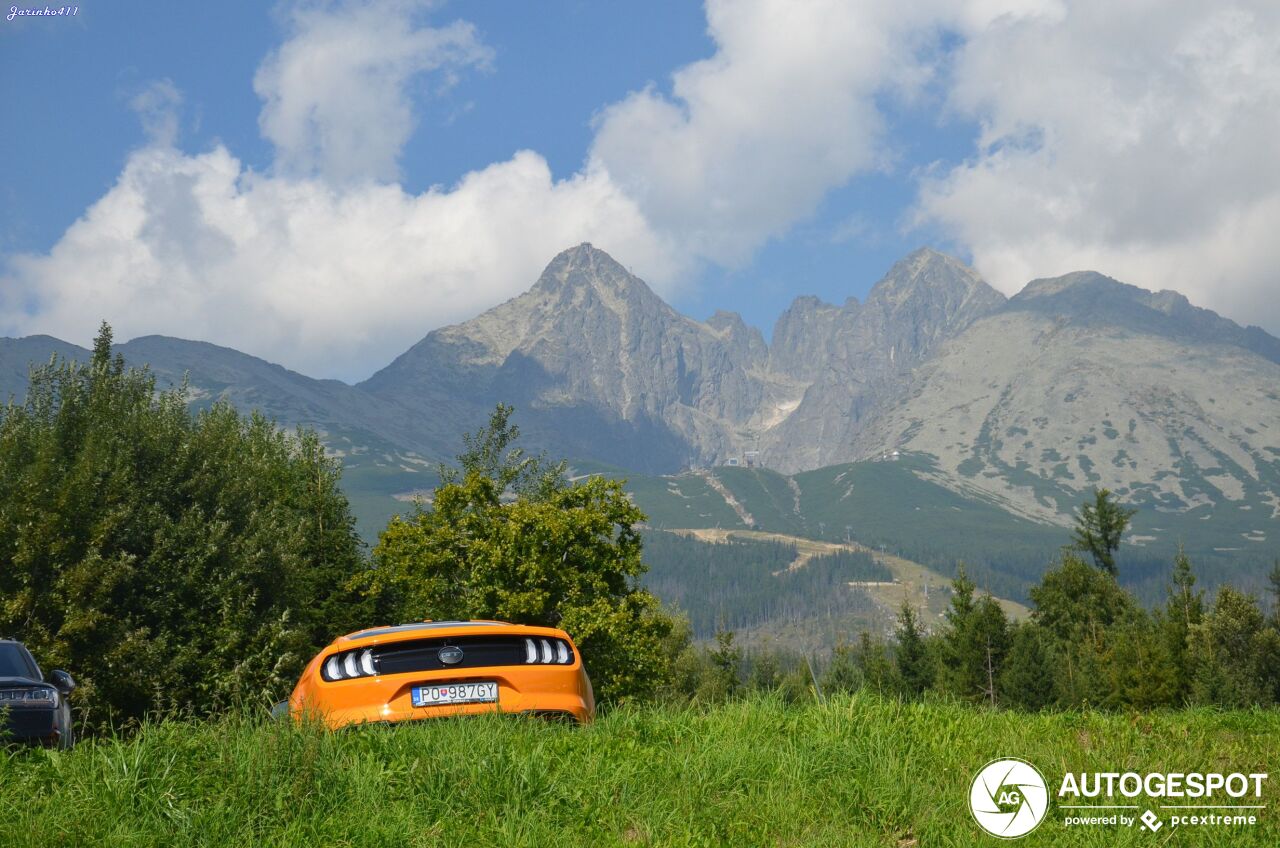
(482, 692)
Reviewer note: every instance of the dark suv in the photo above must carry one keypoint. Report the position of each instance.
(31, 708)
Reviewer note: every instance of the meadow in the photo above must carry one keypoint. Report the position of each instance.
(858, 770)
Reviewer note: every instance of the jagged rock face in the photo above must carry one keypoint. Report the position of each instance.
(599, 366)
(1082, 381)
(861, 354)
(803, 335)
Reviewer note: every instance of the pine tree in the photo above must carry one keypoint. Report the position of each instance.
(1183, 610)
(1228, 652)
(726, 660)
(1027, 680)
(915, 666)
(1099, 528)
(974, 643)
(878, 672)
(842, 674)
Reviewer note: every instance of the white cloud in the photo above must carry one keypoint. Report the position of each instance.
(316, 265)
(754, 136)
(157, 107)
(332, 282)
(336, 93)
(326, 266)
(1137, 139)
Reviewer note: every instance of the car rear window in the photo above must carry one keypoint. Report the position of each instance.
(423, 625)
(13, 662)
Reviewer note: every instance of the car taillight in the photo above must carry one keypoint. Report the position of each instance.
(348, 665)
(547, 651)
(40, 696)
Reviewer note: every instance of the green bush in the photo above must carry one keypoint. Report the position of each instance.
(507, 537)
(170, 562)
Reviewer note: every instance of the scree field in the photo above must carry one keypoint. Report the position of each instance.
(856, 770)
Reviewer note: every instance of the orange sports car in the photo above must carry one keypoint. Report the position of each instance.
(443, 668)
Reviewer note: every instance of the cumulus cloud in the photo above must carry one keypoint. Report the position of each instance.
(1135, 139)
(336, 92)
(326, 265)
(753, 137)
(332, 282)
(318, 264)
(157, 107)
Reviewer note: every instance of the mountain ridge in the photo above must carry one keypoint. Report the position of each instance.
(1015, 398)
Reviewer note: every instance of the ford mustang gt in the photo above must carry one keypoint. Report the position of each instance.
(444, 668)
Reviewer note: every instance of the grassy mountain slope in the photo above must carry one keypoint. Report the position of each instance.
(904, 507)
(855, 771)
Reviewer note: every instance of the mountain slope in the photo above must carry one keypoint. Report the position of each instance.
(864, 353)
(599, 367)
(1017, 406)
(1081, 381)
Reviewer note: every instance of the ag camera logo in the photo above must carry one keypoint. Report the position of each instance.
(1008, 798)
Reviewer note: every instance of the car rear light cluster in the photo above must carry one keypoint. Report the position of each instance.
(349, 664)
(547, 651)
(38, 696)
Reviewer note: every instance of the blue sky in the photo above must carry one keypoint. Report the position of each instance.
(322, 183)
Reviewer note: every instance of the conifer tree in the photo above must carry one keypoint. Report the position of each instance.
(974, 643)
(1027, 680)
(1183, 610)
(915, 667)
(1099, 528)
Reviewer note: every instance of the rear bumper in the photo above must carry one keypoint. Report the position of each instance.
(29, 724)
(545, 690)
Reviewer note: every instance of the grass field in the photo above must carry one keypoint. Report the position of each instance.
(854, 771)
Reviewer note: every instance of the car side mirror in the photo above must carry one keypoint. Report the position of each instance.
(62, 681)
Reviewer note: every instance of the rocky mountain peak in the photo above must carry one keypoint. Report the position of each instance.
(927, 276)
(1088, 298)
(746, 343)
(586, 265)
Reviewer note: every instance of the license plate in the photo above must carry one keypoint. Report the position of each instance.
(482, 692)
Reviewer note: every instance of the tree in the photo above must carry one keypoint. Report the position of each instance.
(914, 663)
(876, 669)
(492, 452)
(169, 561)
(1076, 604)
(1183, 610)
(842, 674)
(1099, 528)
(726, 661)
(1274, 580)
(1026, 681)
(508, 537)
(1231, 652)
(1136, 667)
(974, 643)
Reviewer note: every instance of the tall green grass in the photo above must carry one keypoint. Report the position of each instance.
(853, 771)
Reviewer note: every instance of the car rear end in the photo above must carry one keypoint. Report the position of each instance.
(30, 708)
(29, 712)
(435, 669)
